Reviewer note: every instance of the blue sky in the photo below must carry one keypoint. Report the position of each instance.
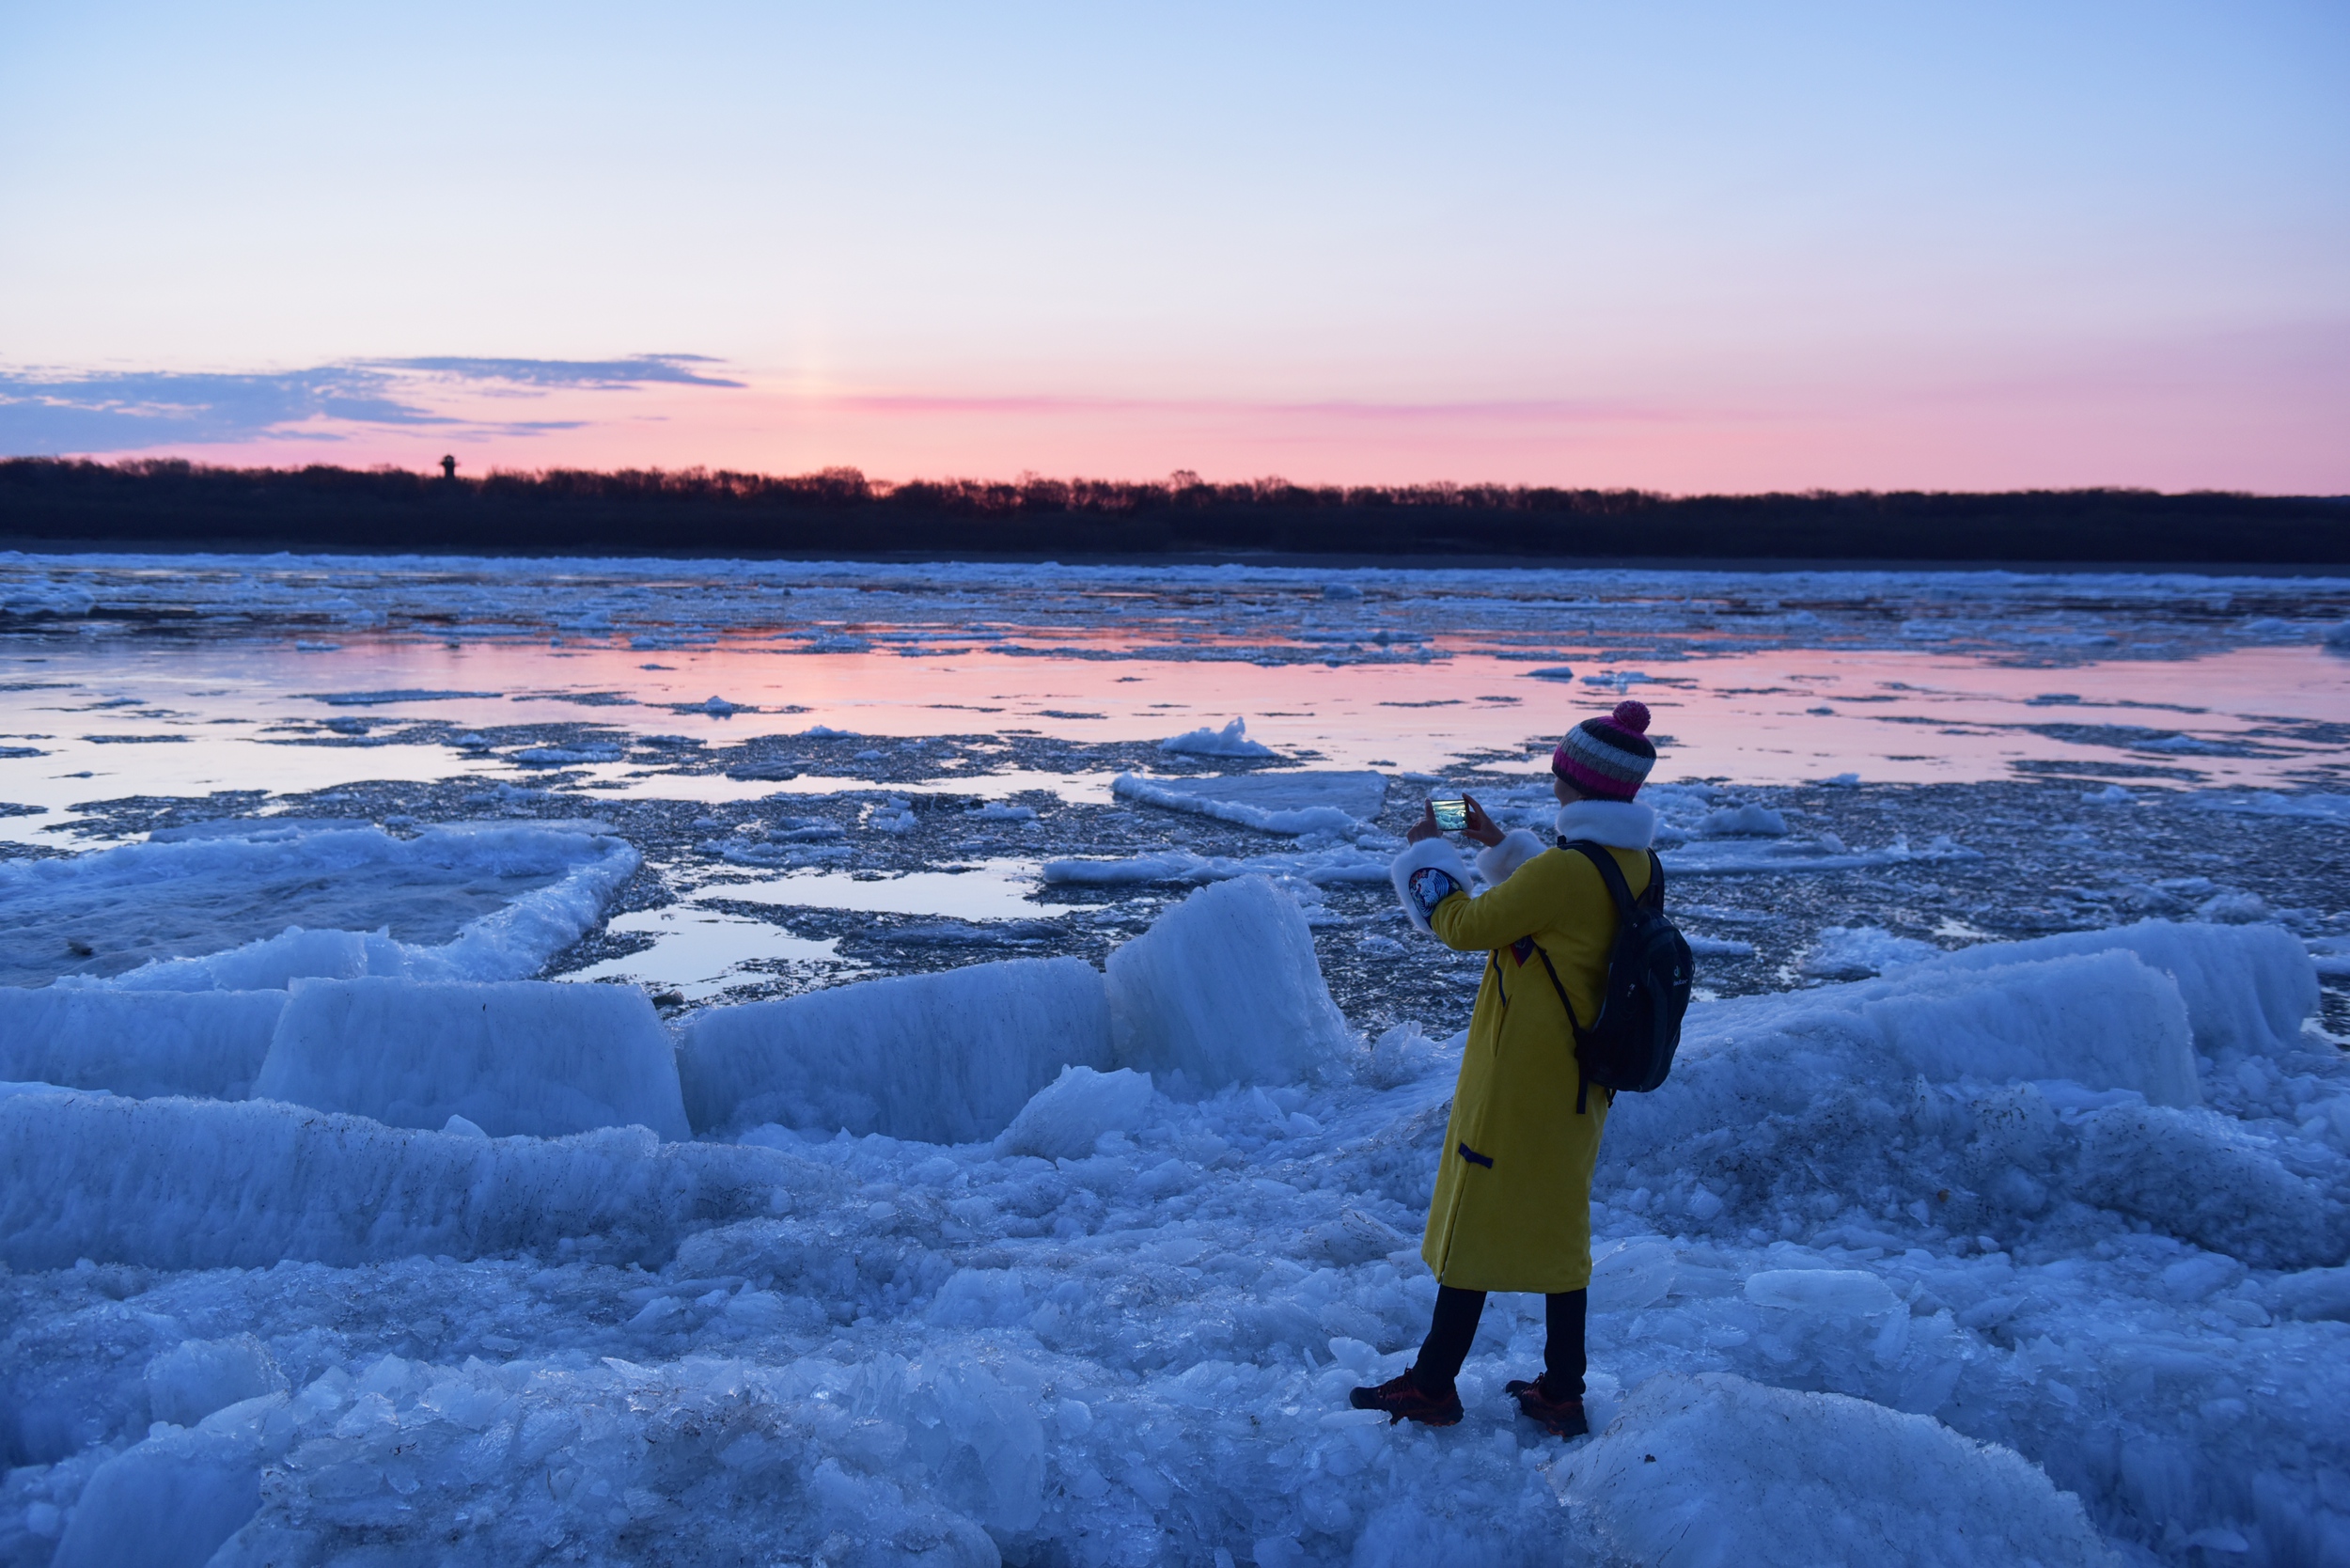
(1691, 246)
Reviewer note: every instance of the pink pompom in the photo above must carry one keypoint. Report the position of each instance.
(1631, 715)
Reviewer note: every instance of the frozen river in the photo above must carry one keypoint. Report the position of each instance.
(246, 686)
(2013, 1112)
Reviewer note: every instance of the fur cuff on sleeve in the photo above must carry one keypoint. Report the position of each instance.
(1517, 847)
(1428, 855)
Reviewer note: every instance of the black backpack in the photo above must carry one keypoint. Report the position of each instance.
(1631, 1042)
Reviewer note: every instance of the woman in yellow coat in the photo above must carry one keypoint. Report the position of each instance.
(1513, 1207)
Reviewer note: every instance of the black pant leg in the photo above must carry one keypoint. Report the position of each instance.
(1564, 1315)
(1448, 1338)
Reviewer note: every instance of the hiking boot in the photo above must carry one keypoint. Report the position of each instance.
(1561, 1417)
(1404, 1399)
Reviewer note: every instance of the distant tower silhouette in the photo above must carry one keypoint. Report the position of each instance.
(449, 467)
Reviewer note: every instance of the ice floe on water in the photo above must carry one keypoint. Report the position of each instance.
(1859, 951)
(1330, 812)
(1293, 803)
(1208, 741)
(2031, 1252)
(1424, 666)
(398, 693)
(1342, 863)
(1827, 852)
(246, 905)
(2268, 803)
(1225, 613)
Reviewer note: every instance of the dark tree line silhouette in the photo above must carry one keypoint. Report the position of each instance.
(173, 505)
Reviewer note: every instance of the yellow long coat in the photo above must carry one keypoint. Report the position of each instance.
(1512, 1209)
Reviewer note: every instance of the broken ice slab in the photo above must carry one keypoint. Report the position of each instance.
(196, 1183)
(1291, 803)
(1225, 988)
(1826, 1291)
(1632, 1275)
(255, 907)
(1067, 1116)
(208, 1044)
(529, 1056)
(2246, 988)
(1207, 741)
(947, 1057)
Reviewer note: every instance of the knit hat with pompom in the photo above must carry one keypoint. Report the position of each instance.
(1607, 758)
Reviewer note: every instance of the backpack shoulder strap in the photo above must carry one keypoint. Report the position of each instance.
(1574, 1028)
(1573, 1022)
(1609, 872)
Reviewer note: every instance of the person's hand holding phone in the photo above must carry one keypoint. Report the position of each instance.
(1462, 816)
(1479, 828)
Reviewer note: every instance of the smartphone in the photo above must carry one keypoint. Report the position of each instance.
(1451, 815)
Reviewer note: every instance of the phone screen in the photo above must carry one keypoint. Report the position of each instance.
(1451, 815)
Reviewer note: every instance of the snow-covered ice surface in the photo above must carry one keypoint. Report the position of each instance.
(1853, 1289)
(1058, 1148)
(1745, 1473)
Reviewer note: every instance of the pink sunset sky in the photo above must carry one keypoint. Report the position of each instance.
(1684, 247)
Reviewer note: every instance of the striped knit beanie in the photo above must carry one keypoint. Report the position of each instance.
(1607, 758)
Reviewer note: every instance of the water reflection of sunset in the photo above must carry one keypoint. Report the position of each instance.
(1778, 716)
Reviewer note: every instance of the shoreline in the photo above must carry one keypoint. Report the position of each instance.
(1277, 560)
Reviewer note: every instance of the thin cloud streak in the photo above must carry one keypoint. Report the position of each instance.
(56, 412)
(598, 374)
(105, 411)
(1578, 410)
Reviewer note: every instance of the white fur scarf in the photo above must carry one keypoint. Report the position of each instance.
(1617, 824)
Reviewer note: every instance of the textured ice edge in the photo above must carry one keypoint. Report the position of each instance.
(510, 943)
